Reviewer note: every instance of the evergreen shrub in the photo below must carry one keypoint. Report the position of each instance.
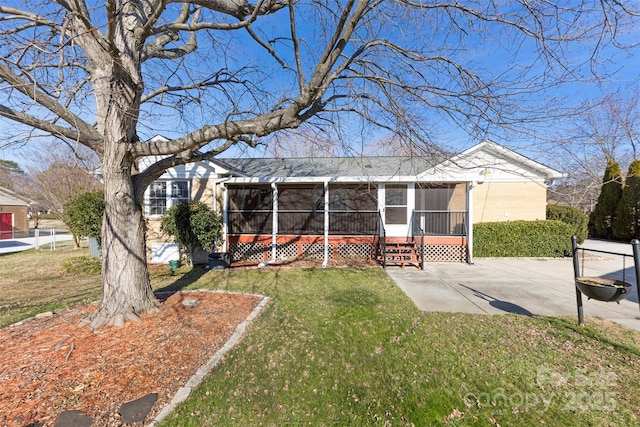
(542, 238)
(604, 214)
(577, 219)
(83, 214)
(194, 225)
(626, 225)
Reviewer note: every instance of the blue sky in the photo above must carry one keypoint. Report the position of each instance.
(493, 52)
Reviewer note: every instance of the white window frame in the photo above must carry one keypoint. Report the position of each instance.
(170, 201)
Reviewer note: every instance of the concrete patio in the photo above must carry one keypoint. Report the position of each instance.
(529, 286)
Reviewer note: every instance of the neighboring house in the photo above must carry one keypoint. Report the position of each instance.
(14, 209)
(409, 208)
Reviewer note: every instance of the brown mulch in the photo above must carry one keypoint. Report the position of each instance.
(49, 365)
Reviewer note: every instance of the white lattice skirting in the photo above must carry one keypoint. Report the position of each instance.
(289, 251)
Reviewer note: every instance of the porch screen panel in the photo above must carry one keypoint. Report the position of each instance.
(353, 209)
(441, 208)
(301, 209)
(250, 210)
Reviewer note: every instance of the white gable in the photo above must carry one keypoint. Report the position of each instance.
(197, 170)
(489, 161)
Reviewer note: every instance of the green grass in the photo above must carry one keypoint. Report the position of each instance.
(347, 347)
(37, 281)
(33, 282)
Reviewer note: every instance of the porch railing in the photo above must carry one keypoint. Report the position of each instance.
(360, 223)
(250, 222)
(382, 240)
(440, 223)
(300, 222)
(419, 226)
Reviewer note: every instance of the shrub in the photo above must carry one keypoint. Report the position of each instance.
(577, 219)
(603, 215)
(549, 238)
(83, 214)
(626, 225)
(194, 225)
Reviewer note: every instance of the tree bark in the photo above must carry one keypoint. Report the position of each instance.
(126, 289)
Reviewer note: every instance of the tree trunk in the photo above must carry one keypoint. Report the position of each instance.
(76, 240)
(126, 289)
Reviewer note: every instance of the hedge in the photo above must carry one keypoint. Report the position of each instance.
(578, 220)
(550, 238)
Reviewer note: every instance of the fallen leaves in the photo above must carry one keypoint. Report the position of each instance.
(51, 364)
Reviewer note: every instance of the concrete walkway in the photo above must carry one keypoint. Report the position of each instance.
(521, 285)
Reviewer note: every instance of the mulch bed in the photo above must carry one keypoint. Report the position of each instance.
(50, 365)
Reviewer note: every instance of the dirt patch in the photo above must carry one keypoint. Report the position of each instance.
(49, 365)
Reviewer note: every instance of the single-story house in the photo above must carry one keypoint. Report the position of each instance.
(394, 209)
(14, 209)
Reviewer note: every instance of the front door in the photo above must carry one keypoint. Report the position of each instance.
(396, 210)
(6, 225)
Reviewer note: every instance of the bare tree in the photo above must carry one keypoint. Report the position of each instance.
(605, 129)
(302, 143)
(56, 176)
(215, 73)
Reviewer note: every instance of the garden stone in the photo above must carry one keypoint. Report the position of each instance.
(73, 419)
(137, 410)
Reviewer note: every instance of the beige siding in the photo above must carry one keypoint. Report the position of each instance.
(494, 202)
(202, 191)
(458, 201)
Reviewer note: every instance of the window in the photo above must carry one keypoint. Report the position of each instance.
(165, 194)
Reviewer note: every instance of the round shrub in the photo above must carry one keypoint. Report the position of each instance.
(577, 219)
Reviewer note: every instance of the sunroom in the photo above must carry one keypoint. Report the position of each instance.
(388, 218)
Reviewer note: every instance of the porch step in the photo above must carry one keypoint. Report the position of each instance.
(405, 253)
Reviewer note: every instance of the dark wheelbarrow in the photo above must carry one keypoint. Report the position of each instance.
(603, 289)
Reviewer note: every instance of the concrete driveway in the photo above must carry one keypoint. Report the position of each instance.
(529, 286)
(17, 245)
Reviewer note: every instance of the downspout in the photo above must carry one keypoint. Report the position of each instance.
(326, 224)
(470, 187)
(225, 214)
(274, 223)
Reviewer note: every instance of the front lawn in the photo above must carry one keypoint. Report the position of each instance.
(347, 347)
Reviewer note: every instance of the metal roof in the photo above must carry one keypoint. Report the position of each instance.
(326, 166)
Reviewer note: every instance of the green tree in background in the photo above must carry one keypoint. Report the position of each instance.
(603, 215)
(193, 225)
(83, 215)
(9, 170)
(626, 225)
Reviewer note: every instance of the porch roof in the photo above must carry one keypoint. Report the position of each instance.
(322, 168)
